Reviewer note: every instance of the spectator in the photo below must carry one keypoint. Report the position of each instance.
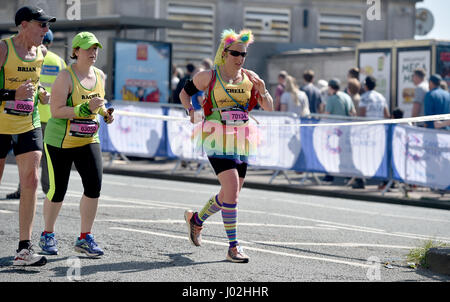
(353, 89)
(280, 89)
(353, 73)
(316, 104)
(421, 89)
(197, 99)
(175, 77)
(176, 93)
(443, 85)
(373, 103)
(437, 100)
(207, 64)
(396, 114)
(323, 88)
(293, 99)
(338, 103)
(442, 124)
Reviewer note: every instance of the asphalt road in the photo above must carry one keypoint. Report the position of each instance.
(289, 237)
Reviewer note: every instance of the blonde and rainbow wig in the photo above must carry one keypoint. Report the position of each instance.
(229, 37)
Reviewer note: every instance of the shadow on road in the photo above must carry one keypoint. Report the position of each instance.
(176, 260)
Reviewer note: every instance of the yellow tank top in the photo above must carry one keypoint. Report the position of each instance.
(50, 69)
(68, 133)
(240, 92)
(14, 72)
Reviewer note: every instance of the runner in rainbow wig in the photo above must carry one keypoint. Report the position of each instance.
(225, 134)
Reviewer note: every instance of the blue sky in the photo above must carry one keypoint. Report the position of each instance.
(440, 11)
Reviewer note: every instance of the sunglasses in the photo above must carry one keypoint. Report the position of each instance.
(236, 53)
(42, 24)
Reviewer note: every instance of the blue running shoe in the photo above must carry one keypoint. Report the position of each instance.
(48, 244)
(88, 246)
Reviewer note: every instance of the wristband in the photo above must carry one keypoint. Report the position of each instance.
(82, 110)
(188, 111)
(7, 95)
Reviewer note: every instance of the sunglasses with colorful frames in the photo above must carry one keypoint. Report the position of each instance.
(236, 53)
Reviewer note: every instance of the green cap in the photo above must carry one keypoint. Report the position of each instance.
(85, 40)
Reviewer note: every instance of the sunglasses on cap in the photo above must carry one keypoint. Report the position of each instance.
(236, 53)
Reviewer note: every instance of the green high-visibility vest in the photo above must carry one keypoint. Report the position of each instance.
(53, 64)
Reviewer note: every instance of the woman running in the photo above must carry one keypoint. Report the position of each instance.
(227, 137)
(71, 136)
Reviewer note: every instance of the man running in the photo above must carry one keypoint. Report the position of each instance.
(21, 59)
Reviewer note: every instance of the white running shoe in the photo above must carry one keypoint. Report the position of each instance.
(27, 257)
(236, 254)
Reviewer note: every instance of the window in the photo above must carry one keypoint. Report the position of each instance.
(195, 41)
(339, 29)
(268, 24)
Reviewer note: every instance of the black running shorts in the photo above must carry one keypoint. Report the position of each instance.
(21, 143)
(222, 164)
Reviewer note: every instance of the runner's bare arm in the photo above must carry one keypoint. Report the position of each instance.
(201, 81)
(265, 99)
(61, 88)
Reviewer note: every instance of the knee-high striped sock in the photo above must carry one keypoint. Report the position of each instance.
(229, 216)
(211, 207)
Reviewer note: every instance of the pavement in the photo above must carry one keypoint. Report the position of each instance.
(293, 182)
(287, 182)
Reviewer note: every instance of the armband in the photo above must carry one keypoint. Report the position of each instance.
(190, 88)
(82, 110)
(7, 95)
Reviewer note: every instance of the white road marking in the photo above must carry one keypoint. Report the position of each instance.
(75, 204)
(171, 221)
(413, 236)
(290, 201)
(340, 244)
(356, 264)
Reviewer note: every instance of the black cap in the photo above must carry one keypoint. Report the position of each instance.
(28, 13)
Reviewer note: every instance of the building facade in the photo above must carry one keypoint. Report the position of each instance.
(278, 26)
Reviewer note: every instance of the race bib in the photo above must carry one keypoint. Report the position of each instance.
(234, 117)
(16, 107)
(83, 128)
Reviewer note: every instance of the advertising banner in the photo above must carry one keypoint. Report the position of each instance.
(377, 64)
(180, 140)
(278, 143)
(408, 60)
(443, 62)
(142, 71)
(421, 156)
(134, 136)
(358, 150)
